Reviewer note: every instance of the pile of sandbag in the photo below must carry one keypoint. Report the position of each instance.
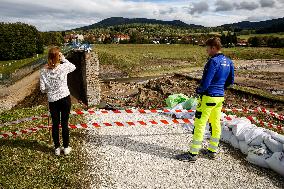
(263, 147)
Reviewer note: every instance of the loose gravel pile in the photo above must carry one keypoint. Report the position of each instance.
(143, 157)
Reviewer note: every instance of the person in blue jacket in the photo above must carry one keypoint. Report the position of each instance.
(218, 74)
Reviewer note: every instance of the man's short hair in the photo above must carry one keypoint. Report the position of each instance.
(214, 42)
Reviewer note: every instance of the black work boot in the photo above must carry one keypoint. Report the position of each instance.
(187, 157)
(209, 154)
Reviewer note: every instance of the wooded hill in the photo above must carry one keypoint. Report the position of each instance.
(268, 26)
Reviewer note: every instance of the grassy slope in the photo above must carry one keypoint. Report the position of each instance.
(16, 64)
(280, 35)
(28, 161)
(140, 60)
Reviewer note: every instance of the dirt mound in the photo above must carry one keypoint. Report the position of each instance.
(37, 98)
(152, 94)
(34, 99)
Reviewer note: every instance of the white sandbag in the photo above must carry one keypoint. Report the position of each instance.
(259, 160)
(258, 155)
(244, 147)
(234, 142)
(276, 162)
(259, 139)
(241, 127)
(279, 138)
(235, 121)
(226, 134)
(253, 133)
(273, 145)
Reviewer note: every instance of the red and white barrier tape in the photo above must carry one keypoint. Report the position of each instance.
(23, 131)
(265, 124)
(141, 111)
(257, 110)
(24, 120)
(99, 125)
(132, 123)
(100, 112)
(260, 122)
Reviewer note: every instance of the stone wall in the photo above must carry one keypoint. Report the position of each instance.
(84, 83)
(92, 79)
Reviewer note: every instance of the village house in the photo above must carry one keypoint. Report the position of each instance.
(79, 38)
(242, 43)
(69, 38)
(118, 38)
(73, 38)
(90, 38)
(100, 38)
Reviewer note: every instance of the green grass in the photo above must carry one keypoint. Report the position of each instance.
(250, 53)
(137, 60)
(28, 161)
(280, 35)
(16, 64)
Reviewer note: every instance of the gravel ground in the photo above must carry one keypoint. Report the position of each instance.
(142, 157)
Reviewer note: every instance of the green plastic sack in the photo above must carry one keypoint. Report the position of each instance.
(175, 99)
(189, 103)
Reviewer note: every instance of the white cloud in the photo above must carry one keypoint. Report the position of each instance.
(68, 14)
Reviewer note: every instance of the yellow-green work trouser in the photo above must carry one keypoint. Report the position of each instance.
(207, 108)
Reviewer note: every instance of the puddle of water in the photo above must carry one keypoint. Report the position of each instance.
(273, 68)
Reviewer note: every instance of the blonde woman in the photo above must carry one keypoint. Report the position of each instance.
(53, 81)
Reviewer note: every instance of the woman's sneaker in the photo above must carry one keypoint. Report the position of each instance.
(57, 151)
(67, 150)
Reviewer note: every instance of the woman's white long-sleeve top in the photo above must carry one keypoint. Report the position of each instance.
(54, 81)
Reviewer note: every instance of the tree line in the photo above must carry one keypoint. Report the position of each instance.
(20, 40)
(268, 41)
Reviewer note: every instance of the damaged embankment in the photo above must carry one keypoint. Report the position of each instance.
(83, 84)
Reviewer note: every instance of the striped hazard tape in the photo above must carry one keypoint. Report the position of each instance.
(141, 111)
(99, 125)
(256, 110)
(265, 124)
(259, 121)
(23, 131)
(133, 123)
(100, 112)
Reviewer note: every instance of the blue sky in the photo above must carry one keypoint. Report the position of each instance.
(67, 14)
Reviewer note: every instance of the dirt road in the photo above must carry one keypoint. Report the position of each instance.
(12, 95)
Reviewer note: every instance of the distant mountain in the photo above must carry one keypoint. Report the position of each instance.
(274, 23)
(268, 26)
(115, 21)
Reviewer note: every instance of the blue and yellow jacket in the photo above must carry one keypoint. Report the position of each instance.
(218, 74)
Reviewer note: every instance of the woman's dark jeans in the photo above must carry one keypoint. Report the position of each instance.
(62, 106)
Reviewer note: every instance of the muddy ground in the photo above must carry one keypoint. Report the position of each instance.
(151, 93)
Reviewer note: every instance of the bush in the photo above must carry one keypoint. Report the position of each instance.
(19, 41)
(52, 38)
(269, 41)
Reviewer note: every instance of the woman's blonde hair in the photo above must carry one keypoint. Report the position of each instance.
(53, 57)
